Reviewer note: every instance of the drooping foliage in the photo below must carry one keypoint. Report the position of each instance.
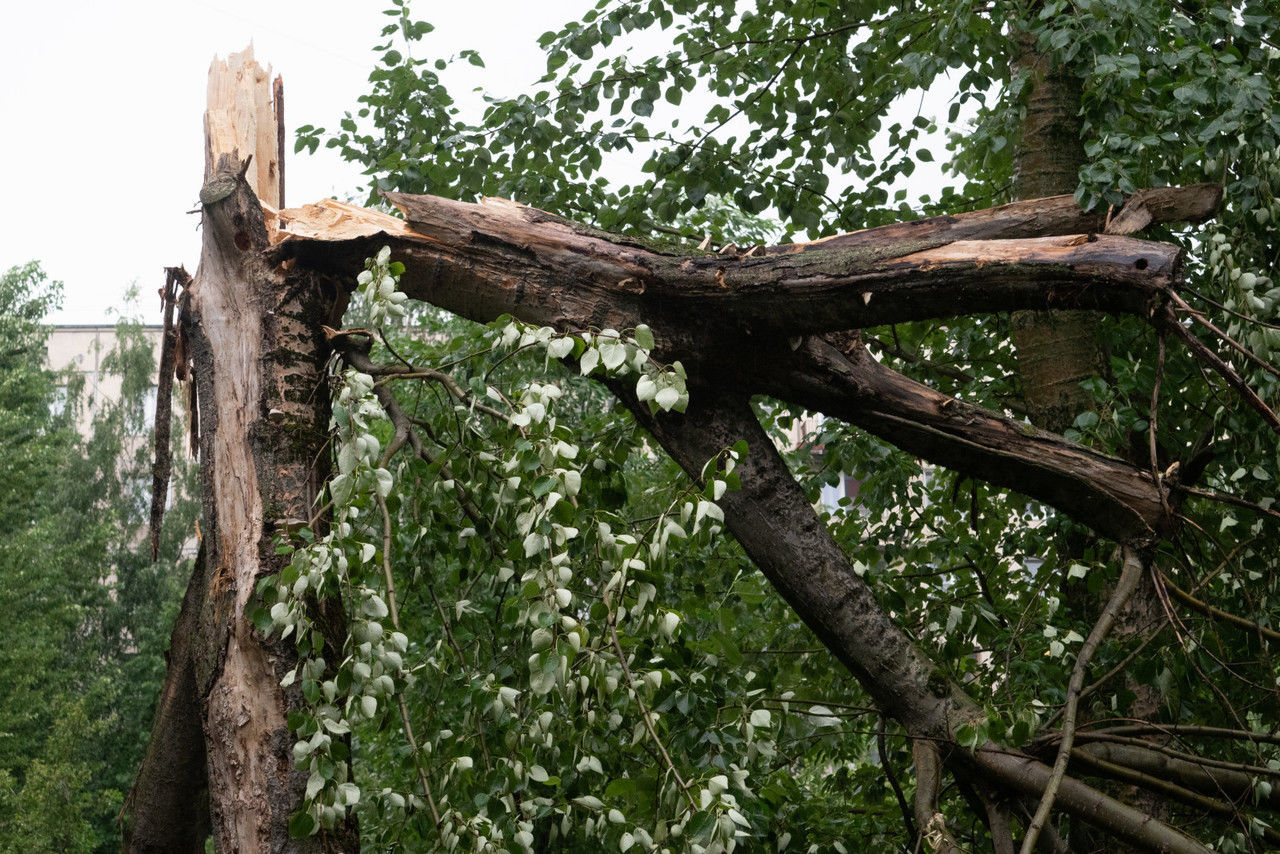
(545, 719)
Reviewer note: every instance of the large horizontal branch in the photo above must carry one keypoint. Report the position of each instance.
(1119, 500)
(500, 257)
(482, 261)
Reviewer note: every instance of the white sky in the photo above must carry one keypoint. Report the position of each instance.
(101, 105)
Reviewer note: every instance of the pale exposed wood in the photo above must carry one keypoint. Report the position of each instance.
(330, 219)
(245, 705)
(249, 775)
(242, 120)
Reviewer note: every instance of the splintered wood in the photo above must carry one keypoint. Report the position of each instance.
(245, 118)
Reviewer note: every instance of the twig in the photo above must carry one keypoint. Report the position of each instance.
(394, 609)
(1130, 575)
(1226, 339)
(1202, 353)
(1227, 498)
(892, 777)
(1151, 430)
(1212, 611)
(648, 721)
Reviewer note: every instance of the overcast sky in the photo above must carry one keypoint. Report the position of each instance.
(101, 105)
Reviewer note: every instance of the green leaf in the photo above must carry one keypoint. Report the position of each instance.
(302, 825)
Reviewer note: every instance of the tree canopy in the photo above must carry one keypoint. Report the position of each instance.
(85, 606)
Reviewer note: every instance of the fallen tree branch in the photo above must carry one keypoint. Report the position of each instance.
(913, 835)
(1116, 498)
(482, 261)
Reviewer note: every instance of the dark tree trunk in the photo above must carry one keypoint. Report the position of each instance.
(1058, 351)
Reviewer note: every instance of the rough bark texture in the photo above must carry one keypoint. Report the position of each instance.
(168, 808)
(1055, 351)
(1115, 498)
(258, 354)
(259, 360)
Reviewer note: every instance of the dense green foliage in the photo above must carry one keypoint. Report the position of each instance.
(532, 734)
(88, 613)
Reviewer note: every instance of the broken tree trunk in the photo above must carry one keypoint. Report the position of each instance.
(259, 365)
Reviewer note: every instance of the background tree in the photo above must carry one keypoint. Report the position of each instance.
(84, 605)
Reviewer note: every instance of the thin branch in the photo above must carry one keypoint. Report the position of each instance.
(892, 777)
(1226, 339)
(394, 609)
(1215, 612)
(1191, 730)
(1203, 354)
(162, 464)
(1220, 306)
(1143, 744)
(648, 720)
(1102, 680)
(1130, 575)
(1227, 498)
(1151, 426)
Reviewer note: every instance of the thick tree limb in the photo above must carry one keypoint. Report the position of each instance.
(482, 261)
(496, 258)
(1237, 786)
(1020, 773)
(500, 258)
(1116, 498)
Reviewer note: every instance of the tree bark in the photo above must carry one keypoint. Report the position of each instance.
(256, 335)
(168, 807)
(1056, 352)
